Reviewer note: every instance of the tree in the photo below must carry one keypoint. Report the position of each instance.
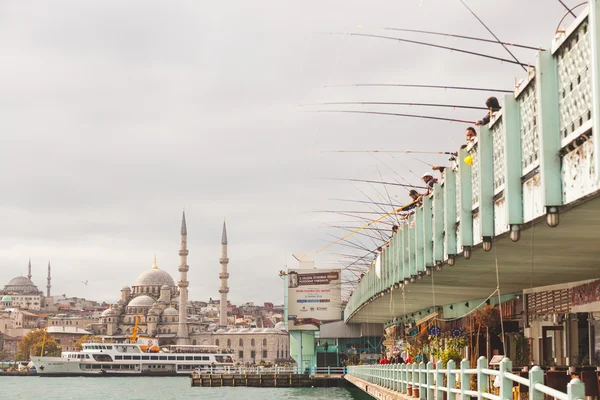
(32, 344)
(85, 339)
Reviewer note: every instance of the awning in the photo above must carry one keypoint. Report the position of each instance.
(426, 318)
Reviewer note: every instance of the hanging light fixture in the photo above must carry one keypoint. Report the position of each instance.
(515, 232)
(413, 279)
(451, 260)
(406, 281)
(467, 252)
(487, 243)
(438, 266)
(552, 216)
(428, 271)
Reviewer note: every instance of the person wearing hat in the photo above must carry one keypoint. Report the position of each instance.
(429, 182)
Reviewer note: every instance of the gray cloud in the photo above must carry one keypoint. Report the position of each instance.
(117, 115)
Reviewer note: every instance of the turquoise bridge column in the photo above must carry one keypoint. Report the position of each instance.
(466, 200)
(486, 186)
(513, 188)
(450, 245)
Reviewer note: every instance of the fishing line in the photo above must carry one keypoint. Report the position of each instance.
(473, 53)
(426, 86)
(388, 103)
(495, 37)
(398, 115)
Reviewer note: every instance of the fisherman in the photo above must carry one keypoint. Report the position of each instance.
(394, 229)
(415, 196)
(440, 168)
(471, 134)
(494, 106)
(429, 182)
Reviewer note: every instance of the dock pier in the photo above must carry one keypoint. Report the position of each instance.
(268, 379)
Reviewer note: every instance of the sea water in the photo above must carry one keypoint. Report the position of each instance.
(153, 388)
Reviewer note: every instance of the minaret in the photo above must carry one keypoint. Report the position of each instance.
(49, 278)
(29, 270)
(182, 331)
(223, 275)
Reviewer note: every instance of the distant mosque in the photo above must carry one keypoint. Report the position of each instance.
(22, 293)
(162, 306)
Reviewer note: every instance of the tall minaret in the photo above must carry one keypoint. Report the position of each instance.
(182, 331)
(223, 275)
(29, 270)
(49, 278)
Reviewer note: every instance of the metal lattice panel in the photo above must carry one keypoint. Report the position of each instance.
(475, 175)
(498, 153)
(529, 128)
(458, 192)
(574, 81)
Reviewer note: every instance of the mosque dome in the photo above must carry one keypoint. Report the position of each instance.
(106, 312)
(21, 285)
(142, 301)
(154, 277)
(170, 311)
(7, 299)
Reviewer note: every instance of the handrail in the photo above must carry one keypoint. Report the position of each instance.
(430, 379)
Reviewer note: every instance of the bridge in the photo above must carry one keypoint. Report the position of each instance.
(525, 213)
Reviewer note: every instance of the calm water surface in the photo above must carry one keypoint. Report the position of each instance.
(159, 388)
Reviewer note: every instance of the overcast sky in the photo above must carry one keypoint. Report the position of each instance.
(117, 115)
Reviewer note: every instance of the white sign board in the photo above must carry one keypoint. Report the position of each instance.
(314, 296)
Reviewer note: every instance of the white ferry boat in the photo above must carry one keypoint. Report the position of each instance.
(134, 359)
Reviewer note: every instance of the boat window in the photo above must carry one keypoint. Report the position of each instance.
(197, 358)
(205, 358)
(172, 358)
(154, 357)
(145, 357)
(189, 358)
(109, 347)
(163, 358)
(180, 358)
(135, 357)
(102, 357)
(127, 357)
(118, 357)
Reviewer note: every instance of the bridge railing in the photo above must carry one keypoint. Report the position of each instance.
(429, 382)
(273, 370)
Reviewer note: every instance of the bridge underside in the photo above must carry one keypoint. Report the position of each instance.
(544, 256)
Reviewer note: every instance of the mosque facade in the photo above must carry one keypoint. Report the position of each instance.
(163, 311)
(21, 292)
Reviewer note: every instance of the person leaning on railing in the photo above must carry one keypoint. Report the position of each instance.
(494, 106)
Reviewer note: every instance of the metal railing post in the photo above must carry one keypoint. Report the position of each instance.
(482, 379)
(422, 381)
(450, 378)
(576, 390)
(403, 378)
(439, 381)
(505, 383)
(536, 375)
(429, 395)
(465, 382)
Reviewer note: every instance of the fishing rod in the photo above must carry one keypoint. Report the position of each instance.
(354, 212)
(398, 115)
(463, 37)
(567, 13)
(495, 37)
(366, 225)
(362, 201)
(363, 218)
(568, 9)
(389, 151)
(422, 86)
(383, 183)
(473, 53)
(387, 103)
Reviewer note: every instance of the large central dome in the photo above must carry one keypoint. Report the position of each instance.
(154, 277)
(22, 285)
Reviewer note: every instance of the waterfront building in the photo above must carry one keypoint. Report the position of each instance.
(67, 336)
